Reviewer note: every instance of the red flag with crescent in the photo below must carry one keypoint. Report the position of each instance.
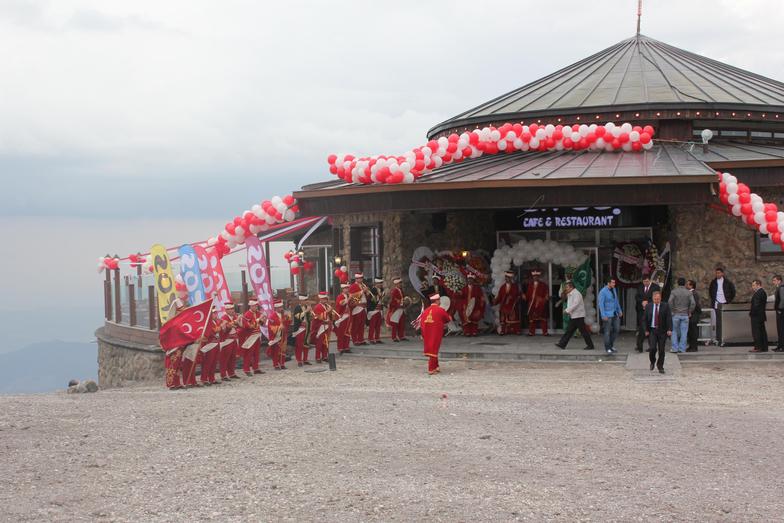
(185, 328)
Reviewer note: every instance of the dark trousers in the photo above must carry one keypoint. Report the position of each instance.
(759, 333)
(780, 329)
(571, 328)
(656, 344)
(694, 331)
(640, 329)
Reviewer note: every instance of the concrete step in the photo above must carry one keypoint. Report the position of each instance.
(639, 365)
(409, 351)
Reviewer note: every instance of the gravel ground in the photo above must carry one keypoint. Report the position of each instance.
(378, 440)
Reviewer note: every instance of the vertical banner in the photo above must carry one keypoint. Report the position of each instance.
(205, 270)
(222, 294)
(164, 281)
(259, 275)
(191, 274)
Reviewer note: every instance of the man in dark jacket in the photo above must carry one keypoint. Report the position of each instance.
(721, 290)
(644, 294)
(694, 319)
(658, 327)
(778, 307)
(757, 315)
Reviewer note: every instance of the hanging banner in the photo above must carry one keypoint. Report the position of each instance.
(164, 281)
(259, 276)
(191, 274)
(205, 270)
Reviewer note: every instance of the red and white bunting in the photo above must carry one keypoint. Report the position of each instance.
(751, 208)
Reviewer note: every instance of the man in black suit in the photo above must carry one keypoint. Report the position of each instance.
(644, 294)
(721, 290)
(658, 327)
(778, 306)
(757, 314)
(694, 319)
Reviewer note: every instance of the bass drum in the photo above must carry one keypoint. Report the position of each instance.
(445, 303)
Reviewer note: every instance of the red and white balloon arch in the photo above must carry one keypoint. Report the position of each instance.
(508, 138)
(751, 208)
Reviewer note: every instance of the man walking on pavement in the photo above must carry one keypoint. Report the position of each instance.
(682, 306)
(610, 311)
(644, 294)
(658, 322)
(575, 308)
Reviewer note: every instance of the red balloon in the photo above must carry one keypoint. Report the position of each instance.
(746, 209)
(722, 188)
(623, 138)
(583, 143)
(645, 137)
(518, 129)
(295, 270)
(775, 237)
(550, 142)
(723, 197)
(533, 128)
(576, 128)
(452, 147)
(557, 135)
(771, 216)
(467, 151)
(591, 137)
(648, 129)
(230, 228)
(526, 137)
(473, 138)
(237, 220)
(750, 220)
(568, 143)
(333, 169)
(331, 159)
(744, 198)
(288, 200)
(616, 143)
(771, 207)
(453, 137)
(637, 128)
(636, 146)
(600, 131)
(773, 227)
(743, 188)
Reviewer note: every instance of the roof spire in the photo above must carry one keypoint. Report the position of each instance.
(639, 15)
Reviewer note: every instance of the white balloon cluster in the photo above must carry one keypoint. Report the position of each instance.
(545, 251)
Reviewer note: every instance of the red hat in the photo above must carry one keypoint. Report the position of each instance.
(323, 295)
(435, 297)
(358, 275)
(354, 288)
(278, 304)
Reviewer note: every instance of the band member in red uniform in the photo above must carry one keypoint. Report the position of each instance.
(210, 349)
(320, 327)
(248, 335)
(172, 363)
(508, 299)
(537, 296)
(300, 318)
(275, 333)
(285, 319)
(228, 344)
(261, 319)
(396, 315)
(359, 309)
(343, 323)
(375, 311)
(472, 306)
(433, 321)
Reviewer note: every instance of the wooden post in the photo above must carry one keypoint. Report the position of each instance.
(139, 281)
(244, 292)
(117, 298)
(107, 299)
(151, 308)
(291, 277)
(132, 304)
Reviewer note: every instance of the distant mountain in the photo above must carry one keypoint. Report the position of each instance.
(47, 366)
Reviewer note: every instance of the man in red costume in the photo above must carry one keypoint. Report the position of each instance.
(173, 360)
(228, 343)
(537, 296)
(508, 299)
(343, 323)
(433, 321)
(210, 349)
(320, 327)
(249, 336)
(359, 309)
(396, 315)
(472, 301)
(275, 332)
(285, 318)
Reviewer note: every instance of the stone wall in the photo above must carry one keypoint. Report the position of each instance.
(707, 237)
(125, 355)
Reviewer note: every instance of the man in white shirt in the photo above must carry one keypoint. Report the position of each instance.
(575, 308)
(721, 290)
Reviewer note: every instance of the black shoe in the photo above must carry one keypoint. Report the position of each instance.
(661, 371)
(778, 349)
(379, 341)
(652, 365)
(560, 346)
(403, 339)
(347, 351)
(306, 363)
(395, 340)
(587, 348)
(639, 350)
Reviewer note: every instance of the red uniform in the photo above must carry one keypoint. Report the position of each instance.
(172, 362)
(536, 296)
(358, 315)
(320, 331)
(300, 326)
(396, 316)
(275, 331)
(433, 320)
(228, 347)
(375, 316)
(209, 358)
(472, 310)
(343, 323)
(508, 298)
(248, 338)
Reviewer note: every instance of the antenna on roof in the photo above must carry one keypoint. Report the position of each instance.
(639, 15)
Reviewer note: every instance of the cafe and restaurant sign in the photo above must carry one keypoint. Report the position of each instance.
(571, 218)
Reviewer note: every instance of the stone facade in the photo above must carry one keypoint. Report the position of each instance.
(123, 360)
(707, 237)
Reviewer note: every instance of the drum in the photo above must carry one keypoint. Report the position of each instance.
(445, 303)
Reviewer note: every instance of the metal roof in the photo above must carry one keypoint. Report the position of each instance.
(637, 73)
(666, 163)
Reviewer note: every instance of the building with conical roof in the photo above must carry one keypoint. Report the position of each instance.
(619, 208)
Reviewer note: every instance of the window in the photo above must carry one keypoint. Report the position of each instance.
(365, 252)
(766, 249)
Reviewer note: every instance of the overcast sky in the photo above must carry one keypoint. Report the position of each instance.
(153, 112)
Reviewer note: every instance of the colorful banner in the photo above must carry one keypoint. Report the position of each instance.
(207, 282)
(221, 292)
(191, 274)
(259, 276)
(164, 281)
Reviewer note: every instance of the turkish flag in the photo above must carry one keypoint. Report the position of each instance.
(187, 327)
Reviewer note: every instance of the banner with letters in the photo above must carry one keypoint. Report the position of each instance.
(221, 287)
(164, 280)
(191, 274)
(205, 270)
(259, 276)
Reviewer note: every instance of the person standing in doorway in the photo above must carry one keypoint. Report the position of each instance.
(759, 299)
(644, 294)
(575, 308)
(721, 290)
(682, 306)
(778, 307)
(537, 297)
(507, 299)
(611, 314)
(658, 323)
(694, 320)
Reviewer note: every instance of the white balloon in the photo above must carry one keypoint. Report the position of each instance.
(549, 129)
(408, 178)
(732, 187)
(511, 136)
(502, 145)
(758, 206)
(763, 228)
(626, 128)
(634, 136)
(541, 134)
(583, 130)
(289, 215)
(706, 135)
(732, 199)
(648, 146)
(759, 218)
(495, 135)
(600, 143)
(534, 143)
(575, 137)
